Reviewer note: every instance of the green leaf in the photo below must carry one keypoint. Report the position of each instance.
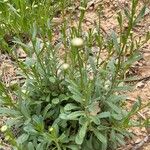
(63, 138)
(140, 15)
(117, 98)
(72, 116)
(40, 146)
(52, 79)
(127, 13)
(115, 41)
(46, 109)
(82, 132)
(55, 101)
(77, 98)
(25, 109)
(73, 147)
(29, 129)
(29, 62)
(22, 138)
(100, 136)
(104, 115)
(30, 146)
(120, 139)
(136, 106)
(117, 116)
(131, 60)
(38, 122)
(34, 33)
(10, 112)
(120, 19)
(104, 145)
(114, 107)
(71, 106)
(92, 63)
(74, 90)
(101, 127)
(13, 9)
(113, 138)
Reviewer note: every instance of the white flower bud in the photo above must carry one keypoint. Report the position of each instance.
(3, 128)
(65, 66)
(77, 42)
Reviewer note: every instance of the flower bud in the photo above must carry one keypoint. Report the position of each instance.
(65, 66)
(3, 128)
(77, 42)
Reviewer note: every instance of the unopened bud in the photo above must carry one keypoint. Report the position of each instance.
(65, 66)
(77, 42)
(3, 128)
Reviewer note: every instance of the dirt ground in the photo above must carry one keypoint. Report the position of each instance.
(141, 69)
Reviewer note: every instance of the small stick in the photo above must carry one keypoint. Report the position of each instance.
(140, 144)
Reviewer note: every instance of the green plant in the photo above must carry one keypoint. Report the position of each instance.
(71, 101)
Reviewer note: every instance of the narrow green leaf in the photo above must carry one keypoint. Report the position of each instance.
(72, 116)
(120, 139)
(71, 106)
(104, 115)
(46, 109)
(30, 146)
(39, 147)
(114, 107)
(13, 9)
(92, 63)
(74, 90)
(22, 138)
(77, 98)
(82, 132)
(115, 41)
(127, 13)
(100, 136)
(9, 112)
(34, 31)
(140, 15)
(73, 147)
(25, 109)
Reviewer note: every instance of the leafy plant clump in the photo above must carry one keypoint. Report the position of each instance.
(70, 98)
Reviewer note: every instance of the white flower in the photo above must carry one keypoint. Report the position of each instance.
(77, 42)
(3, 128)
(65, 66)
